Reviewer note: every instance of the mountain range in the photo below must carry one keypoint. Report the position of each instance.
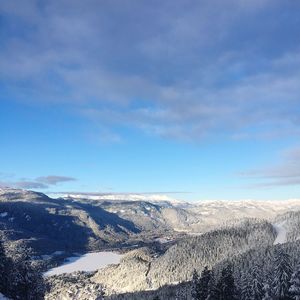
(162, 240)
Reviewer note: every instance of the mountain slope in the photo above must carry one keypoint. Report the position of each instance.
(142, 270)
(55, 224)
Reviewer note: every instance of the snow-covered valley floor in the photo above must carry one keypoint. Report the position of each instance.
(281, 233)
(87, 262)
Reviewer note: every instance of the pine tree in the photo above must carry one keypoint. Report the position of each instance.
(282, 275)
(195, 286)
(225, 287)
(4, 270)
(181, 293)
(2, 267)
(212, 289)
(256, 284)
(245, 287)
(204, 284)
(26, 282)
(295, 283)
(267, 292)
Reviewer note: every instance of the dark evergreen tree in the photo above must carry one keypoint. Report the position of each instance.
(204, 284)
(245, 288)
(225, 287)
(25, 281)
(267, 292)
(195, 286)
(295, 283)
(5, 267)
(212, 289)
(181, 293)
(282, 275)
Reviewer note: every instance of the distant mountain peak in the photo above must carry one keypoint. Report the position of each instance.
(119, 196)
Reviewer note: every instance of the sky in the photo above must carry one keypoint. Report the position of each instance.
(195, 99)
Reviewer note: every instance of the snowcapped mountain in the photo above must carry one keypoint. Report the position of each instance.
(226, 209)
(153, 198)
(111, 217)
(170, 237)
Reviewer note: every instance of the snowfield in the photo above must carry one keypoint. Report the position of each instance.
(112, 197)
(87, 262)
(281, 233)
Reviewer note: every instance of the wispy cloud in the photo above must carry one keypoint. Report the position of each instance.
(42, 182)
(23, 184)
(286, 172)
(54, 179)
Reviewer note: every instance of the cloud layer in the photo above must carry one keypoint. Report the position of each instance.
(43, 182)
(54, 179)
(285, 173)
(182, 70)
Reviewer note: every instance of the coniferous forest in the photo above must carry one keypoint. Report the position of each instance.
(242, 258)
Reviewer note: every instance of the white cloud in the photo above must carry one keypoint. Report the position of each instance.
(285, 173)
(178, 70)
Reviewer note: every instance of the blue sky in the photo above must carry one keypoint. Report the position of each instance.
(198, 97)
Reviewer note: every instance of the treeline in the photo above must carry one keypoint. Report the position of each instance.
(19, 278)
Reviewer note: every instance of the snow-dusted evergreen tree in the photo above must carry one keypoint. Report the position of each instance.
(257, 291)
(282, 275)
(195, 286)
(4, 270)
(295, 283)
(92, 291)
(26, 282)
(245, 287)
(212, 289)
(181, 293)
(204, 284)
(267, 292)
(74, 286)
(225, 287)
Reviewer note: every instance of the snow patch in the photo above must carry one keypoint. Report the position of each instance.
(281, 233)
(162, 240)
(122, 196)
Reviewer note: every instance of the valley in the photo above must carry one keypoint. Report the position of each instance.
(133, 247)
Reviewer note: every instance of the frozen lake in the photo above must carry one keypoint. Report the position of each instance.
(87, 262)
